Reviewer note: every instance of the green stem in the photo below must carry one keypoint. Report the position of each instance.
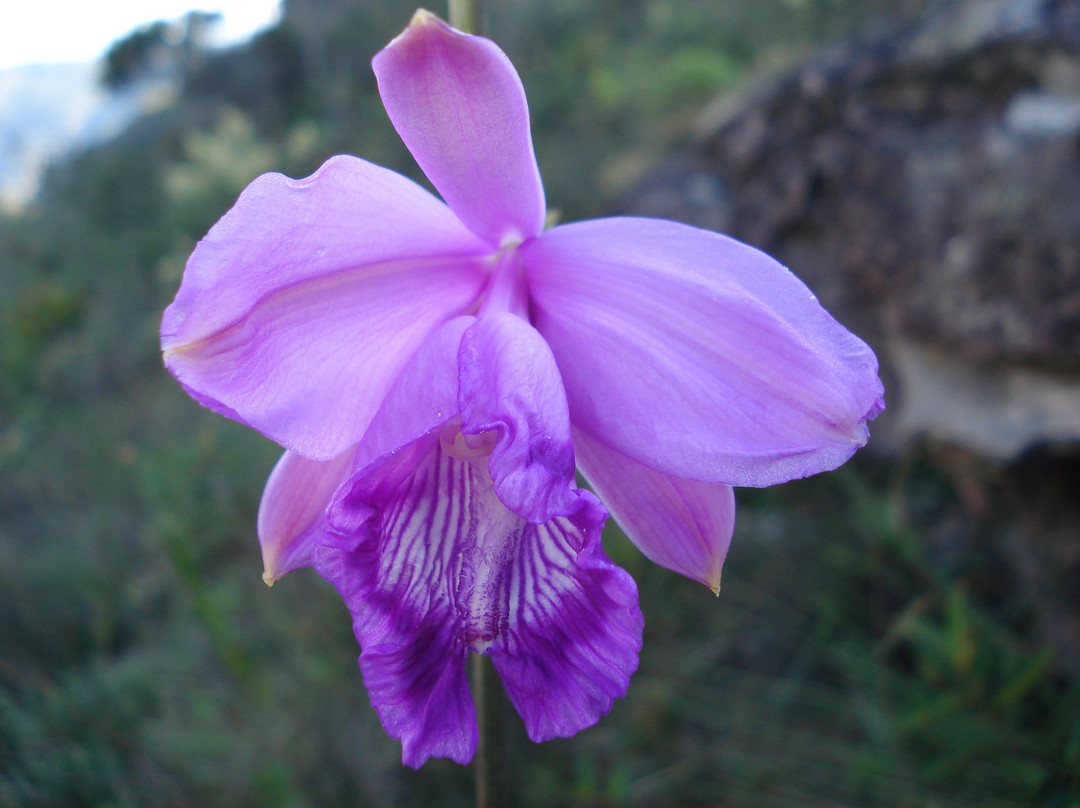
(492, 779)
(467, 15)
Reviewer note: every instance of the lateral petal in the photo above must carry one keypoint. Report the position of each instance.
(291, 513)
(510, 385)
(682, 525)
(458, 104)
(301, 305)
(697, 355)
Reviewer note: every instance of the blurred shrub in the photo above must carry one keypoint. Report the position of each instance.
(216, 165)
(142, 660)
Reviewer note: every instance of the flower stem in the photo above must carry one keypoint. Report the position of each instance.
(467, 15)
(492, 780)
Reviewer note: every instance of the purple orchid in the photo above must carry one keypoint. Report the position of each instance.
(435, 371)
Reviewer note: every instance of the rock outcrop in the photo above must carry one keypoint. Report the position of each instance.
(927, 187)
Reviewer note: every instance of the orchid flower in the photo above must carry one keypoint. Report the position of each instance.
(437, 369)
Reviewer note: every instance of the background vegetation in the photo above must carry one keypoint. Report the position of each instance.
(864, 650)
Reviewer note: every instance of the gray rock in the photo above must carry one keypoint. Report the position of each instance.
(927, 187)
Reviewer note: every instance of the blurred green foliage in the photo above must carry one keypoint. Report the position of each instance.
(144, 663)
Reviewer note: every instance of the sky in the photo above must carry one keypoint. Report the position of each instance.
(44, 31)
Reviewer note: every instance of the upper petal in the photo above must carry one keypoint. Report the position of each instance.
(683, 525)
(511, 385)
(458, 104)
(697, 355)
(300, 306)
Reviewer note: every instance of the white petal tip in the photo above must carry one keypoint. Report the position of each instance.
(422, 17)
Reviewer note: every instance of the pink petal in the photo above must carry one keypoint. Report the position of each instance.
(697, 355)
(291, 513)
(458, 104)
(302, 304)
(432, 565)
(510, 385)
(683, 525)
(422, 398)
